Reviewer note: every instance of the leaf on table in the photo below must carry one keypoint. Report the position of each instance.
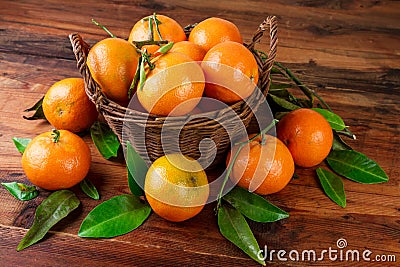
(137, 170)
(89, 189)
(54, 208)
(283, 102)
(356, 166)
(338, 143)
(116, 216)
(333, 186)
(233, 226)
(334, 120)
(37, 107)
(21, 143)
(253, 206)
(104, 139)
(21, 191)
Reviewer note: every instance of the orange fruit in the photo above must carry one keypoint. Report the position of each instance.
(308, 136)
(194, 51)
(264, 168)
(66, 106)
(174, 87)
(170, 30)
(112, 63)
(213, 31)
(176, 187)
(56, 160)
(231, 72)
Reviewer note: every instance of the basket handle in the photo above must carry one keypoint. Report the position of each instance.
(81, 50)
(269, 23)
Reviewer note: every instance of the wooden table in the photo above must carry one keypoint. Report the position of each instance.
(348, 50)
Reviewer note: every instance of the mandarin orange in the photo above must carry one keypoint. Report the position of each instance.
(308, 136)
(213, 31)
(174, 87)
(264, 165)
(56, 160)
(231, 72)
(66, 106)
(112, 63)
(176, 187)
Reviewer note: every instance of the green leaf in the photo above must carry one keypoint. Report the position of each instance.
(116, 216)
(21, 191)
(253, 206)
(133, 185)
(284, 103)
(338, 143)
(37, 107)
(21, 143)
(356, 166)
(104, 139)
(334, 120)
(333, 186)
(233, 226)
(89, 189)
(137, 170)
(165, 48)
(142, 74)
(54, 208)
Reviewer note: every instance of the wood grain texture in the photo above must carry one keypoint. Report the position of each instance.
(349, 51)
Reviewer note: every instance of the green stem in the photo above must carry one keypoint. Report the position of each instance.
(157, 22)
(104, 28)
(140, 44)
(56, 135)
(308, 92)
(241, 145)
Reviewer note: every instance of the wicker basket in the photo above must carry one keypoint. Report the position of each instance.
(192, 129)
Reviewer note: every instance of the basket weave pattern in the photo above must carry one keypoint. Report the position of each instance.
(191, 128)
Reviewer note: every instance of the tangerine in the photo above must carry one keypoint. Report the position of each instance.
(231, 72)
(56, 160)
(176, 187)
(308, 136)
(170, 30)
(263, 166)
(174, 87)
(113, 63)
(66, 106)
(194, 51)
(213, 31)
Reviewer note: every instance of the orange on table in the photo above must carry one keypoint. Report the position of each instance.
(56, 160)
(176, 187)
(213, 31)
(308, 136)
(174, 87)
(66, 105)
(231, 72)
(190, 49)
(264, 168)
(112, 63)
